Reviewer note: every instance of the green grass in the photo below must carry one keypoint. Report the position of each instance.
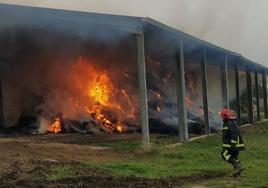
(164, 164)
(192, 158)
(254, 160)
(200, 156)
(59, 171)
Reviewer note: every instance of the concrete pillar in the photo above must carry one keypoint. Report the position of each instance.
(205, 93)
(143, 90)
(249, 90)
(264, 84)
(238, 103)
(257, 95)
(224, 83)
(1, 105)
(182, 111)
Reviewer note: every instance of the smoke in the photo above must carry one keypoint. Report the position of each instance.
(225, 23)
(239, 25)
(38, 70)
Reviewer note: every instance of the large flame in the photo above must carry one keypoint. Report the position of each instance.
(94, 93)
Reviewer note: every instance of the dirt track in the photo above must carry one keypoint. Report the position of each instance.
(24, 160)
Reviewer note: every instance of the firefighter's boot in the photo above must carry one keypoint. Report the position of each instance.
(237, 167)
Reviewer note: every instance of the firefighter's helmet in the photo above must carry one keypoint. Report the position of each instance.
(227, 114)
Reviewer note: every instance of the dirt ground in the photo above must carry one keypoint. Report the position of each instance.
(25, 157)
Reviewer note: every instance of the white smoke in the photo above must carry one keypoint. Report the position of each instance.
(43, 124)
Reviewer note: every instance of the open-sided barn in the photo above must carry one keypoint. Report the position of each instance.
(62, 69)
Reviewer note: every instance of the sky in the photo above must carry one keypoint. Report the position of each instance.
(237, 25)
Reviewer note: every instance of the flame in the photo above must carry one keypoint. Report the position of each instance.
(200, 110)
(188, 101)
(54, 125)
(126, 75)
(99, 90)
(190, 81)
(158, 95)
(120, 127)
(93, 83)
(132, 111)
(94, 93)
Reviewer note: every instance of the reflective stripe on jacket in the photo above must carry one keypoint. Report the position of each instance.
(231, 136)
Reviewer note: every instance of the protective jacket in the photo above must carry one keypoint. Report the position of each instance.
(231, 136)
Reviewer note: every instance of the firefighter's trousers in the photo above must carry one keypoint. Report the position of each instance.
(231, 156)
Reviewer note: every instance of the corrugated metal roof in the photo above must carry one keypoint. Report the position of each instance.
(18, 13)
(202, 42)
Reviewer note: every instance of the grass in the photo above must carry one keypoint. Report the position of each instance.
(200, 156)
(162, 161)
(59, 171)
(254, 160)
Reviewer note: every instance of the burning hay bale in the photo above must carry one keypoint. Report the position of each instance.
(84, 100)
(61, 125)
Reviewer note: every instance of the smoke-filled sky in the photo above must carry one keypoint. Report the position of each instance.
(238, 25)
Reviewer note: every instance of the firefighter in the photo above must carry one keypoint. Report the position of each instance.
(232, 140)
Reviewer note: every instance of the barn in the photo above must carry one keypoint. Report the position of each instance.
(67, 71)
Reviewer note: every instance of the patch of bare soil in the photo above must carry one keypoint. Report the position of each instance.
(61, 147)
(131, 182)
(81, 139)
